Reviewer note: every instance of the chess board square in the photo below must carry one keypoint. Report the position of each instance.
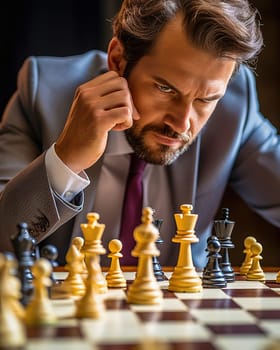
(58, 344)
(164, 316)
(211, 303)
(243, 284)
(54, 331)
(121, 346)
(256, 303)
(112, 304)
(214, 316)
(114, 326)
(272, 284)
(270, 276)
(266, 314)
(115, 293)
(250, 342)
(167, 294)
(64, 308)
(199, 345)
(172, 304)
(260, 292)
(272, 328)
(236, 329)
(206, 293)
(176, 331)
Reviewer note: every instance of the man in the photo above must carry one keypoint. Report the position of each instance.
(175, 90)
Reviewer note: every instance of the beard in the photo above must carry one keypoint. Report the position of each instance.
(158, 154)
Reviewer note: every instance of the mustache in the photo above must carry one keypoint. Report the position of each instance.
(167, 131)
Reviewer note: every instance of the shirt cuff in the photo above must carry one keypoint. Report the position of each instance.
(63, 180)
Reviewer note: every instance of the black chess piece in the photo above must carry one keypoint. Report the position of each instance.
(35, 253)
(212, 276)
(159, 274)
(50, 253)
(223, 230)
(23, 244)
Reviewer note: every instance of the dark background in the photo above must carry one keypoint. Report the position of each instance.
(66, 27)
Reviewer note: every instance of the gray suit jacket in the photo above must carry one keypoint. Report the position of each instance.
(238, 146)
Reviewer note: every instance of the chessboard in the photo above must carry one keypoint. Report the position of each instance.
(245, 315)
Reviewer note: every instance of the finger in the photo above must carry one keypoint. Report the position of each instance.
(102, 78)
(119, 118)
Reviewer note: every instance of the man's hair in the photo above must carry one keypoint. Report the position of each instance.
(225, 28)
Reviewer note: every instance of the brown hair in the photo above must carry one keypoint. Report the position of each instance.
(226, 28)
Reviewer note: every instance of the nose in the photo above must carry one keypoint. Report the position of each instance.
(179, 118)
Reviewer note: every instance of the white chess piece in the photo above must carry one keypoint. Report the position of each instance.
(40, 309)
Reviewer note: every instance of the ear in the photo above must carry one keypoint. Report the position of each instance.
(116, 59)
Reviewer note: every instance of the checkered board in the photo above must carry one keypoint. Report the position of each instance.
(244, 315)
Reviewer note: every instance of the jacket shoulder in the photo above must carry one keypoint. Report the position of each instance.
(42, 73)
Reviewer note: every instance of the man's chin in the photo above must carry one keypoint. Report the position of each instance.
(157, 154)
(161, 157)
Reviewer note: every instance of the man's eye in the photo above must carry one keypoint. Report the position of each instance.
(206, 100)
(164, 88)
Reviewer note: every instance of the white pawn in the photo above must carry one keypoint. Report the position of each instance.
(256, 273)
(73, 285)
(40, 310)
(12, 329)
(115, 277)
(247, 263)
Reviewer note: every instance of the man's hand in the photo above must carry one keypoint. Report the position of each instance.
(100, 105)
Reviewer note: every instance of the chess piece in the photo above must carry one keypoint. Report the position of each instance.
(12, 282)
(159, 274)
(184, 277)
(73, 285)
(23, 244)
(40, 312)
(278, 277)
(223, 230)
(12, 313)
(92, 248)
(50, 253)
(91, 305)
(35, 251)
(115, 277)
(212, 276)
(145, 289)
(247, 263)
(255, 272)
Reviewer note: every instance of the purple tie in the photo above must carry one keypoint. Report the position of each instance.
(132, 208)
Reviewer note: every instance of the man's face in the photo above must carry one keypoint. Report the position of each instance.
(175, 89)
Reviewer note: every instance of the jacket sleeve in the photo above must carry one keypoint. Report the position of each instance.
(26, 195)
(256, 172)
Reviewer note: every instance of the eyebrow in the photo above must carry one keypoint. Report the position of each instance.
(165, 82)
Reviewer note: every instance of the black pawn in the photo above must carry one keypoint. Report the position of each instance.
(212, 276)
(159, 274)
(223, 230)
(50, 253)
(35, 250)
(23, 244)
